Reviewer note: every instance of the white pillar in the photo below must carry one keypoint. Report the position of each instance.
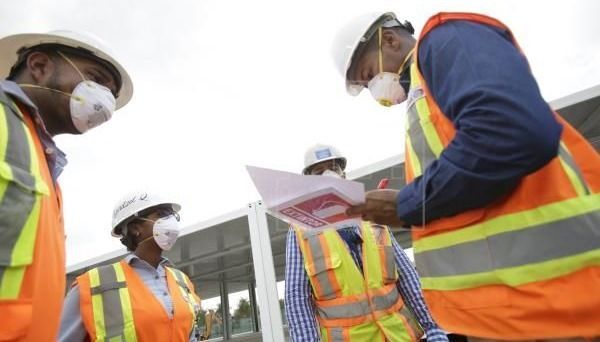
(264, 271)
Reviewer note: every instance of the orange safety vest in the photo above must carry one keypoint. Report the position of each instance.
(115, 303)
(32, 252)
(526, 266)
(350, 306)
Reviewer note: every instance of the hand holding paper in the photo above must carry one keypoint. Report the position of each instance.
(380, 208)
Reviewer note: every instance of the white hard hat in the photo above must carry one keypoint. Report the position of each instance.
(354, 35)
(133, 203)
(12, 46)
(320, 153)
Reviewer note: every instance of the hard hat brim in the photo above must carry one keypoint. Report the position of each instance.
(116, 231)
(341, 159)
(11, 45)
(355, 89)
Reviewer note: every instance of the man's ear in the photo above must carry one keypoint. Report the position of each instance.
(390, 39)
(133, 229)
(40, 66)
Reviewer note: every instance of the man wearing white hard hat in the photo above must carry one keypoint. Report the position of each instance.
(502, 194)
(54, 83)
(332, 275)
(142, 297)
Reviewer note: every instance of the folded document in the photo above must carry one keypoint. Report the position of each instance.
(313, 202)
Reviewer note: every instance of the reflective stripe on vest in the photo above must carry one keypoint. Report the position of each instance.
(499, 271)
(190, 300)
(422, 141)
(514, 249)
(21, 191)
(111, 304)
(326, 286)
(572, 170)
(346, 302)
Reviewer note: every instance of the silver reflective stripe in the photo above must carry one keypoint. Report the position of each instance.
(108, 286)
(386, 301)
(412, 322)
(181, 280)
(320, 267)
(360, 308)
(568, 159)
(389, 263)
(19, 197)
(350, 310)
(413, 95)
(417, 138)
(336, 334)
(111, 302)
(18, 155)
(540, 243)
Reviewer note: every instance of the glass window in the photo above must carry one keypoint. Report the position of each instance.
(240, 310)
(210, 319)
(281, 296)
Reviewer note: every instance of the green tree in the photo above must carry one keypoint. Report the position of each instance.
(243, 310)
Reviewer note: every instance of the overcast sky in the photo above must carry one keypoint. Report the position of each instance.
(221, 84)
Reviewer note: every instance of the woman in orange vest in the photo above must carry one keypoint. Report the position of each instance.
(503, 195)
(142, 297)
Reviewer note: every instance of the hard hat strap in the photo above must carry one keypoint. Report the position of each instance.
(380, 54)
(406, 59)
(27, 85)
(72, 64)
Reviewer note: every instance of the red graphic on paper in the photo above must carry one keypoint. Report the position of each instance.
(318, 211)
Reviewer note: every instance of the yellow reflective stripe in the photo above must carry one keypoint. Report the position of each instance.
(188, 297)
(97, 305)
(40, 184)
(128, 325)
(568, 164)
(414, 75)
(12, 279)
(20, 238)
(414, 161)
(403, 334)
(433, 140)
(373, 273)
(23, 249)
(431, 135)
(515, 276)
(511, 222)
(577, 185)
(4, 169)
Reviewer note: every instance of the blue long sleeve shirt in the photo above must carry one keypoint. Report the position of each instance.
(504, 128)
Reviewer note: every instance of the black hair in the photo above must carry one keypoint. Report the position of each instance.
(52, 51)
(20, 64)
(128, 240)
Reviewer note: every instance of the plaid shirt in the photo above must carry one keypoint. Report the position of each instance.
(299, 305)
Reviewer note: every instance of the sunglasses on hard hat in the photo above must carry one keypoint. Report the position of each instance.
(161, 212)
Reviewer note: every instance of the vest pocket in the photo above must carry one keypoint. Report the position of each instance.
(321, 275)
(16, 319)
(20, 200)
(388, 264)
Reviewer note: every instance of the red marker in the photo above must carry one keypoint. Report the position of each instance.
(383, 183)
